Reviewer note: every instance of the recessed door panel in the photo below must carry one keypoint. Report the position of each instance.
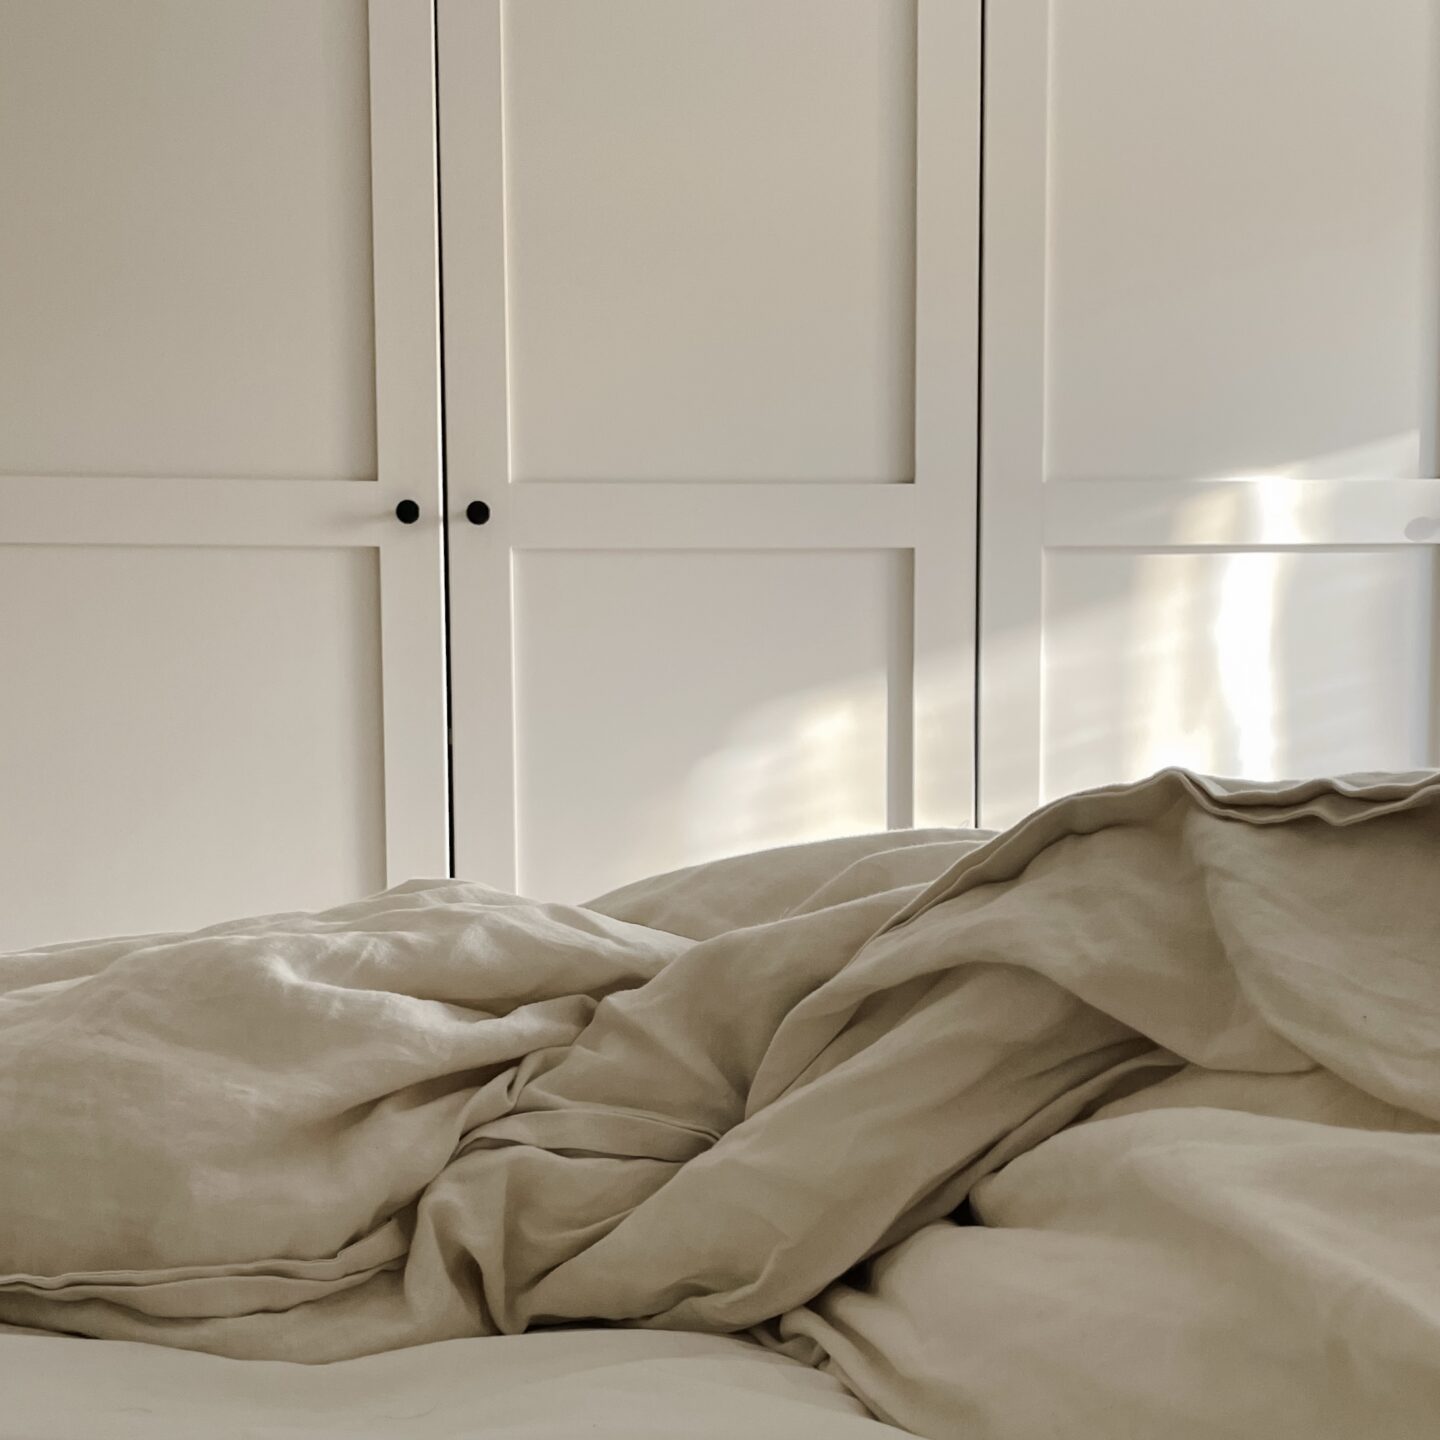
(1242, 254)
(711, 239)
(187, 734)
(675, 707)
(185, 262)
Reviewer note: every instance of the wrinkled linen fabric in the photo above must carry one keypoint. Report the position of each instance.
(444, 1111)
(1219, 1255)
(602, 1384)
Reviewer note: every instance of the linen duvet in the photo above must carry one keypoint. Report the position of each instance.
(1120, 1123)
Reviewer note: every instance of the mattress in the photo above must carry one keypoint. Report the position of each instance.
(544, 1385)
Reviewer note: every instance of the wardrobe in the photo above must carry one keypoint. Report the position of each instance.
(552, 441)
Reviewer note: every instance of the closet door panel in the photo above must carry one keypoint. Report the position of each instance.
(1209, 492)
(1241, 253)
(190, 268)
(184, 727)
(710, 342)
(218, 377)
(707, 280)
(766, 725)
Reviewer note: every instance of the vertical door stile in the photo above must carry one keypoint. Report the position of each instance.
(947, 238)
(407, 421)
(472, 160)
(1012, 418)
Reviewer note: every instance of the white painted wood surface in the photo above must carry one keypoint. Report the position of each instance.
(706, 349)
(1212, 277)
(220, 377)
(717, 200)
(711, 359)
(1236, 662)
(766, 726)
(186, 286)
(190, 733)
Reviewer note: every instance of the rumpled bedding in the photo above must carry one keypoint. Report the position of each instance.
(1122, 1122)
(602, 1384)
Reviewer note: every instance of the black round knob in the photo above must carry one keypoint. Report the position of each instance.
(477, 512)
(407, 512)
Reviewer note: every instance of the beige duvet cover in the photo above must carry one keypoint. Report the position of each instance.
(545, 1385)
(1176, 1041)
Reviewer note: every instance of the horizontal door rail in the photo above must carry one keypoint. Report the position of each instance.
(1262, 513)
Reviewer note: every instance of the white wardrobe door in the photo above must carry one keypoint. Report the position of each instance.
(222, 652)
(1211, 380)
(710, 277)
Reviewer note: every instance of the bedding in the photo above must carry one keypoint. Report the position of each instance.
(1220, 1268)
(545, 1385)
(1169, 1050)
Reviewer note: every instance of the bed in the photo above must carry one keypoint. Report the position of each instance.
(1124, 1122)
